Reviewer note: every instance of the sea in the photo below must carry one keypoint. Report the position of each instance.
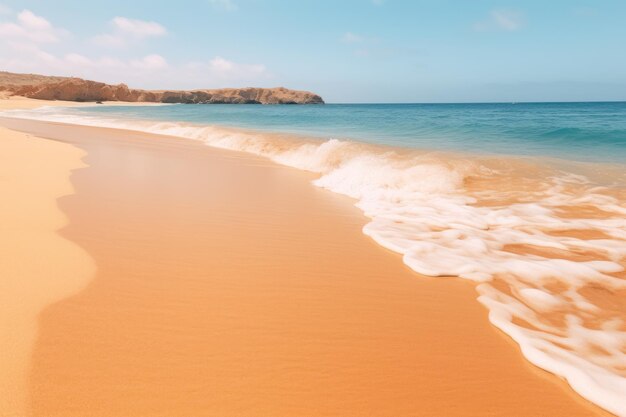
(578, 131)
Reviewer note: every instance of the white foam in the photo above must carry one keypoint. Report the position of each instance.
(418, 206)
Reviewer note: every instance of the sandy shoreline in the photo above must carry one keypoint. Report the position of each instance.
(22, 103)
(228, 285)
(38, 267)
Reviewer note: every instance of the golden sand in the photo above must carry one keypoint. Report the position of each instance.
(229, 286)
(37, 266)
(17, 102)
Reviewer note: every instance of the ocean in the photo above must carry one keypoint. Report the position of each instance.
(528, 200)
(577, 131)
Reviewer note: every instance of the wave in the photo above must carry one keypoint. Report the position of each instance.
(546, 246)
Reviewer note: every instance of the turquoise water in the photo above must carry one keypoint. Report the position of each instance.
(575, 131)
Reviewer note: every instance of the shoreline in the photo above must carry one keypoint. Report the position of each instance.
(24, 103)
(286, 139)
(331, 305)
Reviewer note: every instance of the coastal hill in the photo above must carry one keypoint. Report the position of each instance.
(77, 89)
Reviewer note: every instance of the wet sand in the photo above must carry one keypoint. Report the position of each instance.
(227, 285)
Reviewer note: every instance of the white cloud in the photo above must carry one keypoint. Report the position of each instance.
(5, 9)
(221, 65)
(146, 72)
(31, 21)
(109, 40)
(350, 37)
(228, 5)
(79, 60)
(28, 27)
(149, 62)
(225, 69)
(126, 31)
(508, 20)
(221, 72)
(34, 59)
(25, 46)
(138, 28)
(78, 64)
(151, 71)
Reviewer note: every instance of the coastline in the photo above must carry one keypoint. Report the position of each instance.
(329, 324)
(545, 242)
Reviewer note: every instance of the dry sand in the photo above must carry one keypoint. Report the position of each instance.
(8, 102)
(229, 286)
(16, 102)
(37, 265)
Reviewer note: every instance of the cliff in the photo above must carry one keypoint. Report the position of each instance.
(76, 89)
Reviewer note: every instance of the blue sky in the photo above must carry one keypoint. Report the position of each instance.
(347, 51)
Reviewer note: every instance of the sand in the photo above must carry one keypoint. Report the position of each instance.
(230, 286)
(37, 265)
(8, 102)
(17, 102)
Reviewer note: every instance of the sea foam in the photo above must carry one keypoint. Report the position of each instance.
(537, 240)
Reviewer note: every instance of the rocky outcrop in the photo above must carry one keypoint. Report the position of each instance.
(277, 95)
(76, 89)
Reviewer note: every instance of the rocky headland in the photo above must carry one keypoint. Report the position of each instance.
(77, 89)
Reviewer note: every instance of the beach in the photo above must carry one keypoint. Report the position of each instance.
(190, 280)
(38, 267)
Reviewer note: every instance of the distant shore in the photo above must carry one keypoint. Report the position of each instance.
(45, 87)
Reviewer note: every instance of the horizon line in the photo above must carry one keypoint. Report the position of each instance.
(483, 102)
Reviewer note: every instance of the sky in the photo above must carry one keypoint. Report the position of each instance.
(347, 51)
